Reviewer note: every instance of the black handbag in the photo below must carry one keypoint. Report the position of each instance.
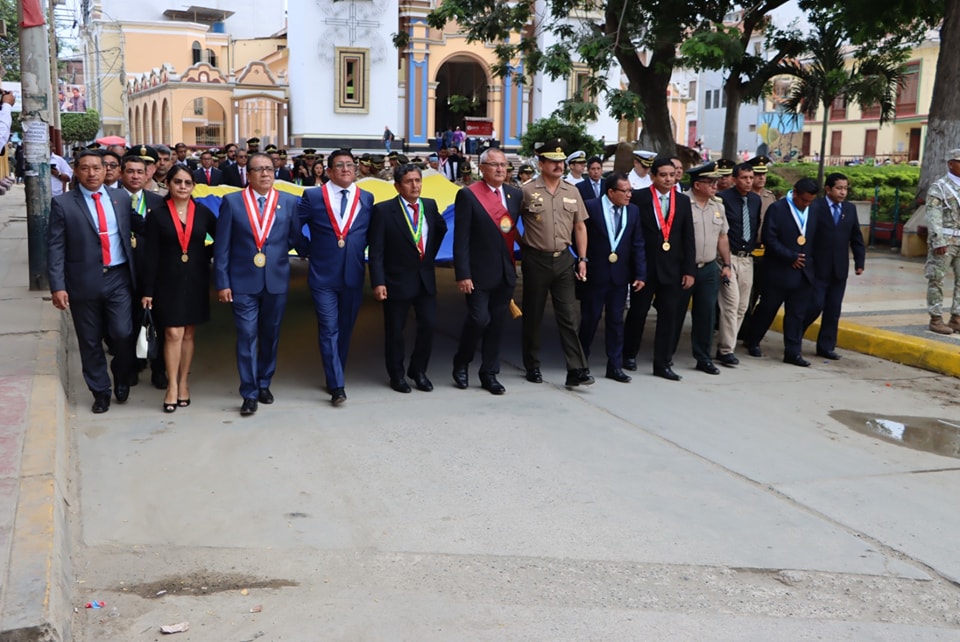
(147, 346)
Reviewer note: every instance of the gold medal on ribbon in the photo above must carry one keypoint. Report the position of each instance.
(801, 240)
(506, 224)
(260, 259)
(613, 257)
(666, 246)
(184, 257)
(341, 243)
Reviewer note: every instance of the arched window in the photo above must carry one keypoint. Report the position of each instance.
(197, 52)
(211, 58)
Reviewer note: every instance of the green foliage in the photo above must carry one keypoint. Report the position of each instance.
(777, 184)
(462, 105)
(549, 128)
(10, 44)
(863, 181)
(80, 128)
(716, 48)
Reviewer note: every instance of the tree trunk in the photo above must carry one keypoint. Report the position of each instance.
(823, 141)
(943, 125)
(650, 83)
(731, 120)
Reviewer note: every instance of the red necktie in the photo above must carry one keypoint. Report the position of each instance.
(208, 177)
(416, 214)
(104, 236)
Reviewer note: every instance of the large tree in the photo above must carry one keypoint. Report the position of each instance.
(943, 123)
(10, 43)
(865, 76)
(642, 38)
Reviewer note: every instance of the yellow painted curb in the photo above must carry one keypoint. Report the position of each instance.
(892, 346)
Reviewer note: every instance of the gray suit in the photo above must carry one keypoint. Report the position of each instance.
(101, 299)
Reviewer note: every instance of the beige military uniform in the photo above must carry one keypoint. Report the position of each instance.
(709, 222)
(548, 219)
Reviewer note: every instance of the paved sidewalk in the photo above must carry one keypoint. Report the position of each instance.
(884, 316)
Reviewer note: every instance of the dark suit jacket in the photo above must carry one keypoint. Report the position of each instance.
(231, 176)
(780, 234)
(479, 251)
(200, 177)
(74, 253)
(831, 254)
(235, 247)
(394, 258)
(667, 266)
(283, 174)
(631, 259)
(585, 187)
(330, 265)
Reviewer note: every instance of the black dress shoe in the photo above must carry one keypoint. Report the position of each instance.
(248, 408)
(728, 359)
(338, 396)
(159, 380)
(754, 350)
(629, 364)
(460, 377)
(134, 379)
(265, 396)
(420, 381)
(796, 360)
(828, 354)
(578, 377)
(491, 385)
(122, 392)
(101, 402)
(534, 376)
(708, 367)
(618, 375)
(400, 385)
(666, 373)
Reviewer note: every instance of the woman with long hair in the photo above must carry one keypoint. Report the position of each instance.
(176, 285)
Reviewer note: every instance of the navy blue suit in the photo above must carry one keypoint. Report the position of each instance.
(101, 299)
(336, 275)
(784, 284)
(200, 177)
(608, 282)
(259, 293)
(585, 187)
(831, 266)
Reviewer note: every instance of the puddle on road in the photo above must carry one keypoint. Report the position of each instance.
(920, 433)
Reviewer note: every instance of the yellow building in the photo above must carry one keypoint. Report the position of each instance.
(181, 81)
(855, 133)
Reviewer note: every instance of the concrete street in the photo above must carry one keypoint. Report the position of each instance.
(736, 507)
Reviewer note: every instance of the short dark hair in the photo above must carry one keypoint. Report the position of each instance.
(594, 159)
(403, 170)
(251, 156)
(107, 152)
(88, 152)
(206, 152)
(832, 179)
(612, 180)
(229, 146)
(173, 172)
(806, 186)
(739, 168)
(661, 161)
(131, 158)
(338, 152)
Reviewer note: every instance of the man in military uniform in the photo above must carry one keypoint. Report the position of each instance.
(553, 215)
(524, 174)
(642, 162)
(725, 173)
(576, 163)
(943, 245)
(253, 146)
(466, 175)
(710, 237)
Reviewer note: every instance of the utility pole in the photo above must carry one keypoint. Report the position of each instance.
(36, 120)
(55, 135)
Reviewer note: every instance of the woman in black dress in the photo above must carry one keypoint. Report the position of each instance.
(177, 278)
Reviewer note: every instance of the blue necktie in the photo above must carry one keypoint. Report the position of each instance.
(261, 201)
(836, 213)
(596, 189)
(343, 202)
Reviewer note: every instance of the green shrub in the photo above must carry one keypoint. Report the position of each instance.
(547, 129)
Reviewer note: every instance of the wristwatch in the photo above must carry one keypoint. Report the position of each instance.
(582, 258)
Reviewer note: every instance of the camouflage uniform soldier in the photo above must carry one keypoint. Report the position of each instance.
(943, 245)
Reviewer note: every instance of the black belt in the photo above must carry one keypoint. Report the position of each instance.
(111, 268)
(527, 248)
(743, 253)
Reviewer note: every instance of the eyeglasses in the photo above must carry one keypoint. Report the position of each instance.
(495, 165)
(344, 166)
(628, 190)
(262, 170)
(111, 165)
(186, 182)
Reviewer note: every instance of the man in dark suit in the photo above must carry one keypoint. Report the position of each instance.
(338, 216)
(667, 224)
(91, 271)
(484, 233)
(256, 229)
(279, 158)
(405, 235)
(617, 259)
(839, 233)
(180, 149)
(145, 203)
(742, 207)
(592, 185)
(790, 237)
(207, 174)
(236, 174)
